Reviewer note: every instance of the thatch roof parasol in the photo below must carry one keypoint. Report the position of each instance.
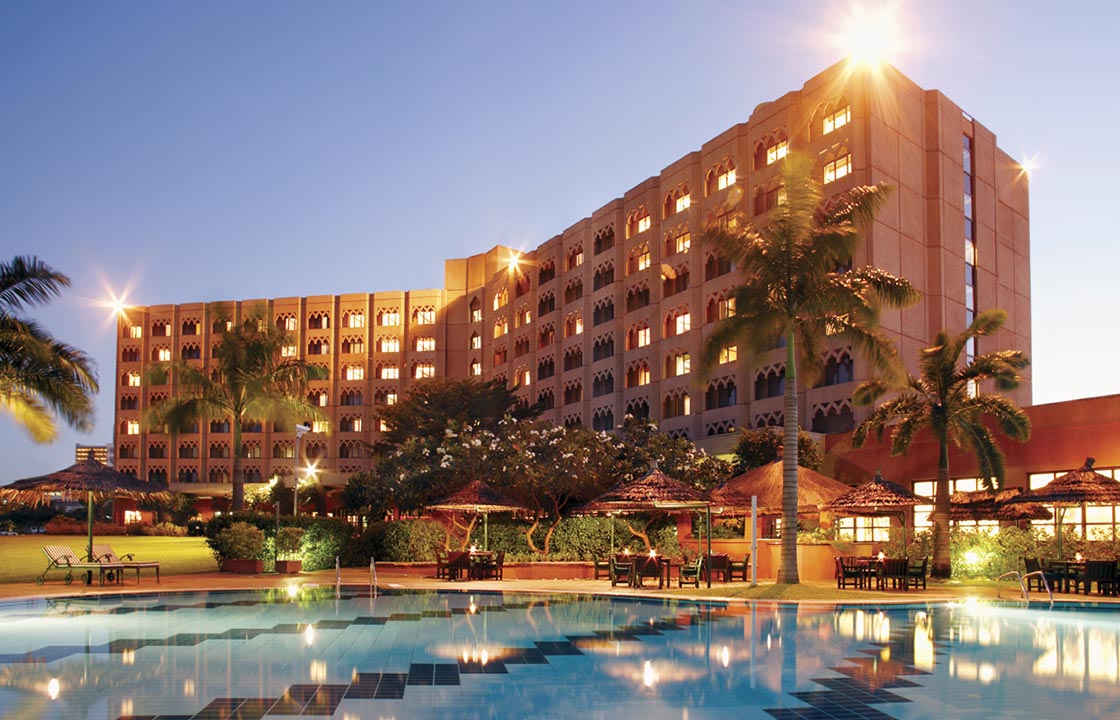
(477, 496)
(1083, 485)
(653, 491)
(765, 482)
(878, 496)
(994, 505)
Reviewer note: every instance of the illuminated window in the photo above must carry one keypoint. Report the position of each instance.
(573, 324)
(319, 426)
(425, 343)
(523, 377)
(684, 242)
(476, 310)
(133, 379)
(476, 341)
(476, 368)
(683, 323)
(355, 319)
(501, 298)
(424, 316)
(524, 317)
(774, 153)
(133, 427)
(355, 372)
(391, 397)
(135, 331)
(864, 529)
(389, 317)
(424, 370)
(835, 170)
(838, 119)
(644, 259)
(289, 351)
(388, 372)
(354, 345)
(678, 364)
(501, 327)
(683, 203)
(164, 355)
(927, 488)
(290, 323)
(643, 337)
(729, 354)
(389, 344)
(575, 258)
(725, 179)
(643, 223)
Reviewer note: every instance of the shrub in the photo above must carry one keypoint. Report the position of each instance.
(164, 529)
(325, 538)
(288, 543)
(239, 541)
(401, 541)
(64, 525)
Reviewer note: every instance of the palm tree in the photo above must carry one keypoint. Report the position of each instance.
(40, 377)
(797, 287)
(247, 379)
(945, 397)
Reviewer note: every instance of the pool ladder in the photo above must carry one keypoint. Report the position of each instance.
(1022, 580)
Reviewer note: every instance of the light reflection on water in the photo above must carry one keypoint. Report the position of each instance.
(635, 658)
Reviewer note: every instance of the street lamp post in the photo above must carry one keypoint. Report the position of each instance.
(301, 430)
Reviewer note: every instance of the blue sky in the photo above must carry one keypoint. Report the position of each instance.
(210, 151)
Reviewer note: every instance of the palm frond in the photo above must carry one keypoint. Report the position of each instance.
(26, 280)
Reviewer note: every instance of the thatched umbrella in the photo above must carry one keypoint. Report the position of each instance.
(994, 505)
(765, 482)
(877, 496)
(1083, 486)
(478, 497)
(98, 481)
(654, 491)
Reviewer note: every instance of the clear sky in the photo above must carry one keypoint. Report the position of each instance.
(223, 150)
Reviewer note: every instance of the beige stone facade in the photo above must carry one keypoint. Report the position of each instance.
(609, 316)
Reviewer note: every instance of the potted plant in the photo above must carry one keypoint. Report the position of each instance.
(238, 548)
(288, 560)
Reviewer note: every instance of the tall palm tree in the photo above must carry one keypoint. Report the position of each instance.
(796, 286)
(247, 379)
(945, 397)
(40, 377)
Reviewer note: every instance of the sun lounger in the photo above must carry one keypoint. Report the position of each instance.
(63, 558)
(105, 554)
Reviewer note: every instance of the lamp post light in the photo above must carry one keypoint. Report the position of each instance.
(301, 430)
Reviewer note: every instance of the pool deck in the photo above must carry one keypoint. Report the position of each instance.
(823, 592)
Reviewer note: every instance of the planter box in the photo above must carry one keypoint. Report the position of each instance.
(289, 567)
(244, 567)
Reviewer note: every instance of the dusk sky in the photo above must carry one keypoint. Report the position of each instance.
(201, 151)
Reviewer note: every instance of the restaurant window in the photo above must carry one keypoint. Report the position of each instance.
(864, 529)
(1094, 522)
(927, 488)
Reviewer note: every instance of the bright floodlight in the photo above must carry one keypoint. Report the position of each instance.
(1028, 164)
(870, 36)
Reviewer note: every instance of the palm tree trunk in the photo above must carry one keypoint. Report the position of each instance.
(787, 573)
(238, 502)
(942, 560)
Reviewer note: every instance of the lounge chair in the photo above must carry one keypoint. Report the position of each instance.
(690, 572)
(105, 554)
(739, 568)
(61, 557)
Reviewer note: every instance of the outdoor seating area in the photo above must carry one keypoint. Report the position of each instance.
(61, 557)
(470, 565)
(884, 573)
(1077, 576)
(106, 555)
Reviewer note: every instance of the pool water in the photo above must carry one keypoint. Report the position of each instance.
(462, 655)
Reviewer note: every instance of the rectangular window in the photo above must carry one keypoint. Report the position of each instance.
(164, 355)
(864, 529)
(643, 224)
(425, 317)
(838, 119)
(476, 368)
(391, 397)
(390, 372)
(355, 372)
(643, 260)
(726, 180)
(683, 364)
(927, 488)
(135, 331)
(288, 351)
(837, 169)
(684, 202)
(729, 354)
(425, 343)
(684, 242)
(133, 427)
(290, 324)
(774, 153)
(476, 342)
(319, 426)
(643, 337)
(425, 370)
(390, 345)
(683, 323)
(134, 379)
(643, 375)
(390, 317)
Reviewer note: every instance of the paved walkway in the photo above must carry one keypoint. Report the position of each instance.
(825, 592)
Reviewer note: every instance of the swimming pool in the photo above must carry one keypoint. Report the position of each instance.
(463, 655)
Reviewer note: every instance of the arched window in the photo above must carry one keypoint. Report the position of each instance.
(546, 304)
(719, 177)
(604, 240)
(637, 374)
(573, 392)
(638, 408)
(388, 317)
(638, 221)
(602, 383)
(604, 276)
(677, 322)
(319, 346)
(424, 315)
(573, 290)
(603, 348)
(192, 326)
(834, 417)
(573, 358)
(351, 397)
(190, 351)
(573, 324)
(354, 345)
(546, 400)
(677, 403)
(603, 420)
(637, 297)
(501, 327)
(673, 280)
(287, 322)
(353, 319)
(500, 354)
(574, 257)
(318, 321)
(161, 328)
(603, 312)
(546, 272)
(524, 316)
(283, 449)
(521, 346)
(770, 382)
(678, 200)
(838, 368)
(720, 307)
(546, 368)
(501, 298)
(476, 310)
(716, 265)
(638, 259)
(677, 363)
(546, 336)
(638, 336)
(219, 450)
(720, 394)
(130, 355)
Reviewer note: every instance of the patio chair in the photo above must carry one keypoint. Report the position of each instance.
(740, 568)
(105, 554)
(848, 573)
(441, 564)
(1034, 582)
(492, 569)
(602, 569)
(61, 557)
(916, 573)
(720, 568)
(459, 565)
(1101, 572)
(893, 571)
(622, 571)
(690, 572)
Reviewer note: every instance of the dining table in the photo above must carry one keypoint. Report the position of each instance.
(1067, 570)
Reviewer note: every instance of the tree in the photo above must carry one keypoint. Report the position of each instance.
(796, 287)
(762, 446)
(247, 379)
(640, 445)
(946, 398)
(40, 377)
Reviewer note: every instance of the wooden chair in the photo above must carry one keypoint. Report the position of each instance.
(61, 557)
(1034, 582)
(105, 554)
(690, 572)
(893, 571)
(602, 569)
(915, 574)
(441, 564)
(459, 565)
(1101, 572)
(622, 571)
(492, 569)
(741, 568)
(720, 568)
(848, 573)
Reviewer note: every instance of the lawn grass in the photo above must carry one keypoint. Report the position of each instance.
(24, 560)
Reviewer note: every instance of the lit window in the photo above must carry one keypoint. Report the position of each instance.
(525, 378)
(357, 320)
(725, 180)
(476, 341)
(683, 202)
(135, 331)
(683, 323)
(865, 529)
(644, 259)
(774, 153)
(476, 314)
(643, 375)
(164, 355)
(389, 345)
(684, 242)
(501, 298)
(390, 372)
(356, 424)
(391, 397)
(837, 169)
(682, 364)
(319, 426)
(290, 323)
(425, 316)
(355, 372)
(643, 223)
(501, 327)
(288, 351)
(643, 337)
(838, 119)
(729, 354)
(134, 379)
(383, 426)
(389, 317)
(476, 368)
(425, 343)
(133, 427)
(425, 370)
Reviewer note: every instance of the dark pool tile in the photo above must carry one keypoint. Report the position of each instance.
(219, 709)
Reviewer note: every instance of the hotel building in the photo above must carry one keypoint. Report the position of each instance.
(609, 316)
